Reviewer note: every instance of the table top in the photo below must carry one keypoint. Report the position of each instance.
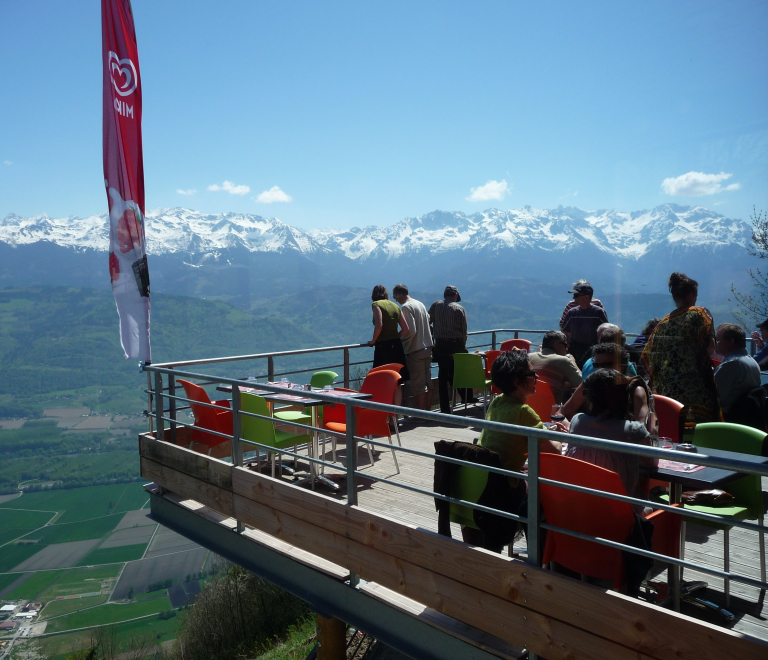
(709, 477)
(300, 398)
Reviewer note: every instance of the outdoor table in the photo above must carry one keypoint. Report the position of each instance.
(301, 398)
(702, 479)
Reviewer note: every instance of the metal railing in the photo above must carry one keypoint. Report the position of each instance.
(163, 415)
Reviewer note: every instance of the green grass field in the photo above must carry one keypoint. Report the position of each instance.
(58, 607)
(35, 585)
(14, 524)
(80, 581)
(7, 579)
(112, 555)
(78, 504)
(77, 531)
(111, 613)
(13, 555)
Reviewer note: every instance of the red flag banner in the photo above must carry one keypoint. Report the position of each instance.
(124, 177)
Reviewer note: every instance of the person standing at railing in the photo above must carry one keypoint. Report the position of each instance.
(448, 321)
(581, 322)
(677, 354)
(573, 303)
(512, 374)
(417, 345)
(386, 341)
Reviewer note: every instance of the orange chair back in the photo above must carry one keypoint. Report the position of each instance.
(587, 514)
(392, 366)
(542, 401)
(490, 358)
(336, 412)
(522, 344)
(207, 418)
(381, 385)
(669, 413)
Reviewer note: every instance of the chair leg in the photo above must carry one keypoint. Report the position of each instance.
(370, 451)
(394, 455)
(399, 442)
(272, 457)
(453, 399)
(333, 447)
(727, 566)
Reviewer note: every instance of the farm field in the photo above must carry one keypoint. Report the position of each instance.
(60, 555)
(15, 523)
(109, 613)
(79, 504)
(59, 607)
(76, 531)
(80, 581)
(7, 580)
(58, 647)
(13, 555)
(31, 587)
(120, 555)
(140, 574)
(167, 541)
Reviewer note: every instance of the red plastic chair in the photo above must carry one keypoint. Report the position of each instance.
(522, 344)
(392, 366)
(381, 385)
(542, 401)
(596, 516)
(208, 418)
(669, 414)
(490, 358)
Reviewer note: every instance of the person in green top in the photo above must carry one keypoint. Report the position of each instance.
(512, 374)
(386, 342)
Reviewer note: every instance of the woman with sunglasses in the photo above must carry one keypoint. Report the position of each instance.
(512, 374)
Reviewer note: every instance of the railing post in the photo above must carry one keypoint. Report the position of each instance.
(493, 341)
(237, 448)
(346, 368)
(534, 512)
(517, 335)
(351, 454)
(271, 369)
(150, 400)
(172, 405)
(159, 405)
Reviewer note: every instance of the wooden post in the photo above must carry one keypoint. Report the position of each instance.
(331, 639)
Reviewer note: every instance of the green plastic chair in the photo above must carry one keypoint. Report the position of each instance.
(263, 431)
(747, 490)
(469, 372)
(468, 484)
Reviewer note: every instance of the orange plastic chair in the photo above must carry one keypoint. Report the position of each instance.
(509, 344)
(392, 366)
(381, 385)
(208, 418)
(542, 401)
(338, 415)
(668, 412)
(596, 516)
(490, 358)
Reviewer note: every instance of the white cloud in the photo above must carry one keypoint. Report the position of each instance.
(231, 188)
(497, 190)
(274, 194)
(697, 184)
(7, 162)
(191, 191)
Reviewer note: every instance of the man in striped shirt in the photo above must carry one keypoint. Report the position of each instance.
(448, 321)
(573, 303)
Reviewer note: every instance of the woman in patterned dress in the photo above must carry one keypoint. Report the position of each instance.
(677, 354)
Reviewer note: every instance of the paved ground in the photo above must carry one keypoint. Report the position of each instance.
(58, 555)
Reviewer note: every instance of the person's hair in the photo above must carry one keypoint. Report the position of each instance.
(734, 333)
(613, 335)
(650, 326)
(552, 337)
(680, 286)
(399, 289)
(508, 368)
(380, 293)
(605, 391)
(613, 349)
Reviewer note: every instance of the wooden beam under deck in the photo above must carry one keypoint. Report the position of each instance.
(555, 616)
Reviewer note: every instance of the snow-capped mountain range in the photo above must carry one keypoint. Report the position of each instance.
(623, 235)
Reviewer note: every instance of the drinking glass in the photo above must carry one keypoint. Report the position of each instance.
(557, 414)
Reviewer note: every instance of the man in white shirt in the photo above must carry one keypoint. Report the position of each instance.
(417, 345)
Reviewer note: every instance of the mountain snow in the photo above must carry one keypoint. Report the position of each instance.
(621, 234)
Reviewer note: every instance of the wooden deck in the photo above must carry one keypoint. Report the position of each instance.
(703, 545)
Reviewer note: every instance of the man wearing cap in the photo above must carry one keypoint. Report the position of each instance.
(573, 303)
(761, 338)
(581, 323)
(448, 321)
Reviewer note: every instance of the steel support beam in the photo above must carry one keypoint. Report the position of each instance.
(326, 595)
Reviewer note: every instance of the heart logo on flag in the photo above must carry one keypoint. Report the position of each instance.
(125, 72)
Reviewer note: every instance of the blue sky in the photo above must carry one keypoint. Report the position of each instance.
(368, 112)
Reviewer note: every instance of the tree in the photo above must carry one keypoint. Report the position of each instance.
(752, 305)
